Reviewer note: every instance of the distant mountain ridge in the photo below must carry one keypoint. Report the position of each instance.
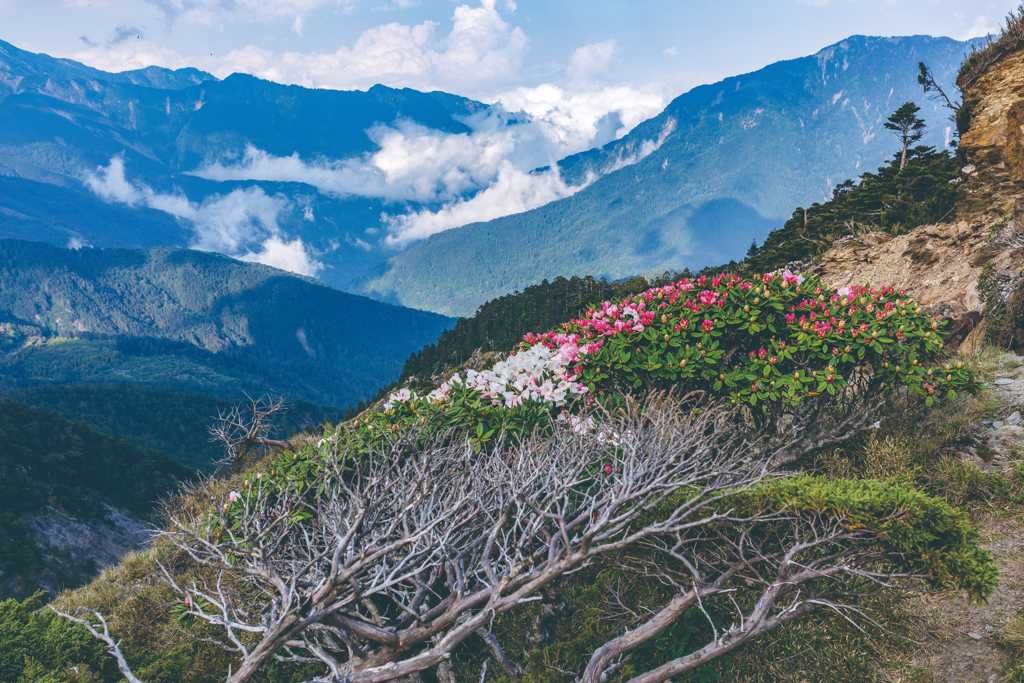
(741, 154)
(735, 159)
(60, 120)
(23, 71)
(184, 323)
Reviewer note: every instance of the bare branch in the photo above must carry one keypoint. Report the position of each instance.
(245, 426)
(100, 631)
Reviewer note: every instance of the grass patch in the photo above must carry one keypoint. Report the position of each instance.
(930, 448)
(1011, 639)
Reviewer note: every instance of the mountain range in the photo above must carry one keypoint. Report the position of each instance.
(735, 159)
(156, 157)
(150, 344)
(60, 121)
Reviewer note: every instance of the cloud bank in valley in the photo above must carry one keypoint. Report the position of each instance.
(244, 223)
(481, 175)
(411, 163)
(484, 174)
(514, 191)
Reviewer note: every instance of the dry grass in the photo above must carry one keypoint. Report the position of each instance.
(1010, 39)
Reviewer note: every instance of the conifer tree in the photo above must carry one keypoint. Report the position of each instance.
(908, 127)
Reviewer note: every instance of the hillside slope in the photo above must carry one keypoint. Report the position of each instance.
(967, 267)
(949, 451)
(192, 323)
(71, 500)
(738, 156)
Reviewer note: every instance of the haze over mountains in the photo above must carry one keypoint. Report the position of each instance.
(366, 190)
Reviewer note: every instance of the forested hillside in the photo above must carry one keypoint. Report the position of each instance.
(171, 421)
(196, 319)
(889, 200)
(62, 478)
(129, 339)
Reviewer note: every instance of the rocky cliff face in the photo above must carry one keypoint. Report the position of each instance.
(993, 184)
(970, 268)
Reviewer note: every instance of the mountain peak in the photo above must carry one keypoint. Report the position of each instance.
(39, 65)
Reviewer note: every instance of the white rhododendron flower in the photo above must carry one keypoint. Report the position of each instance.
(400, 396)
(538, 373)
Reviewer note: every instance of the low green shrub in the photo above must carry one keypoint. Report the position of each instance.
(935, 540)
(38, 646)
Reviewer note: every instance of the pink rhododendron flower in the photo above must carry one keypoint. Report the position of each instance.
(791, 278)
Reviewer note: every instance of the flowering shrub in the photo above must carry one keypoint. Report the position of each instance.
(537, 373)
(769, 343)
(777, 340)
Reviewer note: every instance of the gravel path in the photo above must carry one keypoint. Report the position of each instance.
(961, 646)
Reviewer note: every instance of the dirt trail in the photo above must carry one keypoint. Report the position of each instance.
(961, 646)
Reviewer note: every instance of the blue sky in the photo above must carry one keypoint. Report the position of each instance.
(668, 45)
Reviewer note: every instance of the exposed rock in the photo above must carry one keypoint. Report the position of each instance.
(994, 143)
(968, 271)
(75, 549)
(940, 265)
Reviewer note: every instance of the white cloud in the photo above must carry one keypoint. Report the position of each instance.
(981, 26)
(211, 12)
(411, 163)
(480, 175)
(290, 255)
(110, 184)
(243, 223)
(582, 118)
(589, 61)
(414, 163)
(514, 191)
(131, 54)
(481, 47)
